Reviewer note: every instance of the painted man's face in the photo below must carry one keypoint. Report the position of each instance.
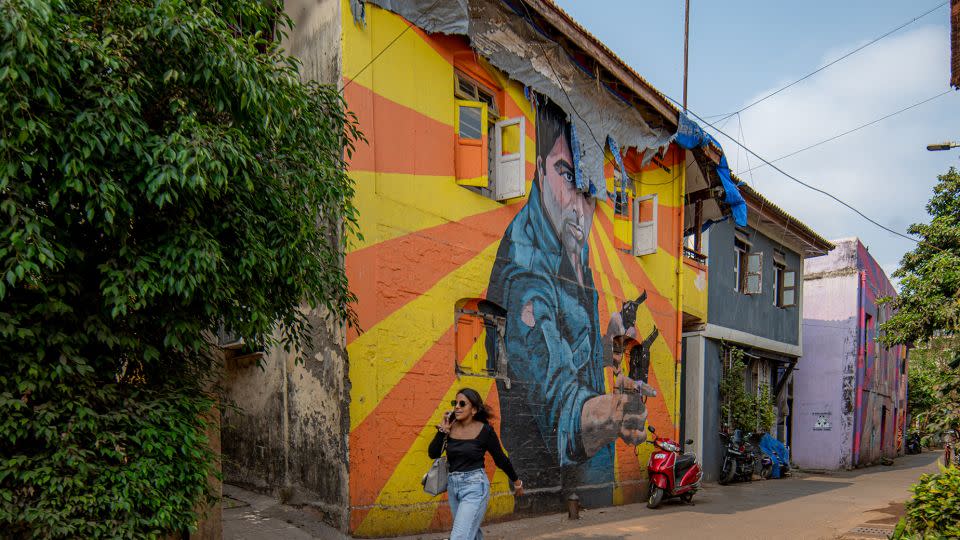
(569, 210)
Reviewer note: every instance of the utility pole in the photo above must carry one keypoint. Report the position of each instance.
(686, 49)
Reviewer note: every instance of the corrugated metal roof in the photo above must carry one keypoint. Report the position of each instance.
(817, 243)
(612, 54)
(714, 153)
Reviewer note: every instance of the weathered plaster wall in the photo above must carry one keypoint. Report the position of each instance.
(844, 372)
(285, 428)
(825, 381)
(316, 38)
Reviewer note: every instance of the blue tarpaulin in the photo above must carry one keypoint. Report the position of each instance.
(690, 136)
(778, 453)
(615, 150)
(578, 176)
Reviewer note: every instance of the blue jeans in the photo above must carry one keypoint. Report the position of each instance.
(469, 493)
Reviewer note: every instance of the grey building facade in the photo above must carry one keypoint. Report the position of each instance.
(755, 280)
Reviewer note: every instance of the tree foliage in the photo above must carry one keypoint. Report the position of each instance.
(929, 299)
(739, 408)
(933, 389)
(163, 172)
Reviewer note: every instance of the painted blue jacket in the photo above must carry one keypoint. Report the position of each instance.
(554, 348)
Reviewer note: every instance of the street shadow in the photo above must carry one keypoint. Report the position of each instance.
(927, 457)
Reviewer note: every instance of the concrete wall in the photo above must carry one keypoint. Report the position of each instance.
(844, 371)
(286, 426)
(712, 457)
(825, 381)
(316, 38)
(754, 314)
(285, 429)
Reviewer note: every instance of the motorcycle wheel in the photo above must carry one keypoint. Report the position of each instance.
(727, 473)
(656, 496)
(766, 472)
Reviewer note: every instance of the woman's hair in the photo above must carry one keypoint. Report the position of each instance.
(483, 411)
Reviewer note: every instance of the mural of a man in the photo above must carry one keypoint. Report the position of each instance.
(557, 420)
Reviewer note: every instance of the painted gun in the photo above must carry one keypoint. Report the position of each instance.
(628, 312)
(640, 358)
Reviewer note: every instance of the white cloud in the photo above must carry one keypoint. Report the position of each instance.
(883, 170)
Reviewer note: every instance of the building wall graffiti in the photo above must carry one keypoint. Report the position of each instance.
(845, 372)
(536, 300)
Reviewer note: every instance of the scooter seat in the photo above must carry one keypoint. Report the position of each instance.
(685, 461)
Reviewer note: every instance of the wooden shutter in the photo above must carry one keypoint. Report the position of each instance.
(645, 225)
(510, 159)
(753, 279)
(789, 288)
(471, 143)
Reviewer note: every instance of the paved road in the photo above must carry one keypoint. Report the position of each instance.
(807, 506)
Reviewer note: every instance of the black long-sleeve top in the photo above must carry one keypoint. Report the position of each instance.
(467, 454)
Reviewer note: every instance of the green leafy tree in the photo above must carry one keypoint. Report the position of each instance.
(929, 299)
(933, 396)
(163, 172)
(927, 310)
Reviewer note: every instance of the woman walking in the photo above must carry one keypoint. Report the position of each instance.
(469, 437)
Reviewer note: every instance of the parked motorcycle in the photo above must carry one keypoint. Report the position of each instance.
(739, 460)
(913, 443)
(671, 473)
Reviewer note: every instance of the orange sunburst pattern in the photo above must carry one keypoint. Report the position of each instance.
(459, 289)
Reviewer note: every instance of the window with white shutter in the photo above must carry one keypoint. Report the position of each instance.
(645, 225)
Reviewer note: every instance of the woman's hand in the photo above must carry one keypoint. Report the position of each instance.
(446, 424)
(518, 488)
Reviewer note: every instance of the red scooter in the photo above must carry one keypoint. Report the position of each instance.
(671, 473)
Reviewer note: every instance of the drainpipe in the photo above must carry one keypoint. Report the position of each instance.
(676, 369)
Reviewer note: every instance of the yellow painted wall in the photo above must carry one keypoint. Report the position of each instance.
(429, 243)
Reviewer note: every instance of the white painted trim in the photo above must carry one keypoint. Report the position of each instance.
(714, 331)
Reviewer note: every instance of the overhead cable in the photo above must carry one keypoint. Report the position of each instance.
(818, 70)
(797, 180)
(858, 128)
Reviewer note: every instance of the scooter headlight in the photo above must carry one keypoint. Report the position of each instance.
(670, 447)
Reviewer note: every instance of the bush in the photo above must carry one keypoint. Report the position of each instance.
(934, 511)
(164, 171)
(740, 409)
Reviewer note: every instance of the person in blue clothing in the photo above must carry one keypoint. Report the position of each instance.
(556, 417)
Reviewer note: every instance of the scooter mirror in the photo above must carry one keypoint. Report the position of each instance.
(688, 441)
(650, 429)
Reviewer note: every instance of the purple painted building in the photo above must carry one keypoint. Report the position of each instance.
(850, 392)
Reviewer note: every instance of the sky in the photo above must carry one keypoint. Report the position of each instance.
(742, 50)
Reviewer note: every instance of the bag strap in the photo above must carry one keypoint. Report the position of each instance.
(444, 448)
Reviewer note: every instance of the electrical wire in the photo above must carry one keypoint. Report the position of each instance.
(858, 128)
(702, 119)
(797, 180)
(812, 73)
(388, 45)
(570, 101)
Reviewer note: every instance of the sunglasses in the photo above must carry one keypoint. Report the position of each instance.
(461, 403)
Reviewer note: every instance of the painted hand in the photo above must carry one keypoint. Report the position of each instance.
(634, 420)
